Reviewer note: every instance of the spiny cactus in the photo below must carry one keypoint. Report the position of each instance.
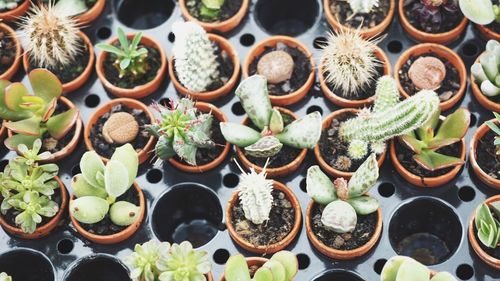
(49, 37)
(181, 130)
(487, 225)
(183, 263)
(362, 6)
(253, 94)
(481, 12)
(282, 266)
(195, 62)
(401, 268)
(344, 199)
(487, 71)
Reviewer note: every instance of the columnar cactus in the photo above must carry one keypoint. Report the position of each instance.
(283, 266)
(344, 199)
(487, 71)
(253, 94)
(487, 227)
(195, 62)
(362, 6)
(481, 12)
(401, 268)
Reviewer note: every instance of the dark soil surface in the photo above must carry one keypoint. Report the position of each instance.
(106, 149)
(367, 91)
(486, 157)
(341, 10)
(52, 145)
(228, 9)
(492, 252)
(18, 4)
(449, 20)
(450, 84)
(7, 51)
(494, 26)
(365, 228)
(280, 223)
(301, 70)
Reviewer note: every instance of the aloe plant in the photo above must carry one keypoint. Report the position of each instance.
(401, 268)
(481, 12)
(494, 127)
(486, 72)
(253, 94)
(98, 186)
(282, 266)
(487, 225)
(32, 115)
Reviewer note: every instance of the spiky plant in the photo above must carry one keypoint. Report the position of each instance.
(282, 266)
(362, 6)
(487, 71)
(49, 37)
(183, 263)
(143, 261)
(402, 268)
(480, 11)
(195, 62)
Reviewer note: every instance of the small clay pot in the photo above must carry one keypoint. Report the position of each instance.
(83, 77)
(343, 102)
(43, 230)
(480, 97)
(258, 49)
(442, 52)
(219, 115)
(273, 248)
(146, 151)
(7, 75)
(279, 171)
(487, 33)
(117, 237)
(71, 146)
(17, 12)
(366, 33)
(251, 261)
(321, 161)
(225, 45)
(484, 177)
(440, 38)
(91, 14)
(138, 91)
(218, 26)
(341, 254)
(485, 257)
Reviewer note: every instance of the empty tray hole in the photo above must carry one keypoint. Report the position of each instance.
(144, 14)
(189, 212)
(338, 275)
(314, 108)
(171, 37)
(97, 268)
(247, 39)
(65, 246)
(379, 265)
(75, 170)
(103, 33)
(27, 265)
(304, 261)
(3, 164)
(286, 17)
(465, 272)
(470, 49)
(386, 189)
(473, 120)
(154, 175)
(92, 100)
(466, 193)
(395, 46)
(231, 180)
(319, 42)
(303, 185)
(425, 229)
(221, 256)
(237, 109)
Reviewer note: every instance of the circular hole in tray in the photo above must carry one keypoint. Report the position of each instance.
(154, 175)
(75, 170)
(338, 275)
(92, 100)
(144, 14)
(466, 193)
(27, 265)
(470, 49)
(473, 120)
(247, 39)
(237, 109)
(465, 272)
(386, 189)
(286, 17)
(103, 32)
(188, 211)
(171, 37)
(65, 246)
(319, 42)
(394, 46)
(3, 164)
(100, 267)
(313, 108)
(304, 261)
(231, 180)
(221, 256)
(379, 265)
(426, 229)
(303, 185)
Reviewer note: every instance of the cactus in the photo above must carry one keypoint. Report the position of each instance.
(253, 94)
(98, 186)
(487, 225)
(181, 129)
(401, 268)
(195, 62)
(481, 12)
(4, 276)
(362, 6)
(183, 263)
(344, 199)
(486, 72)
(494, 127)
(283, 266)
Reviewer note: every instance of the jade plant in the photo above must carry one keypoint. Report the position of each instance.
(31, 116)
(486, 72)
(253, 94)
(481, 12)
(5, 277)
(402, 268)
(210, 9)
(156, 260)
(98, 186)
(431, 14)
(344, 200)
(488, 224)
(362, 6)
(494, 127)
(282, 266)
(27, 187)
(181, 129)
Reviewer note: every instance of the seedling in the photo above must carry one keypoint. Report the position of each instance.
(486, 71)
(283, 266)
(401, 268)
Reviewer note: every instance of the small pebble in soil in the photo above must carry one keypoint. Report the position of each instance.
(120, 128)
(276, 66)
(427, 73)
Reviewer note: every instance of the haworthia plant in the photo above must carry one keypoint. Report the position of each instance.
(486, 72)
(401, 268)
(283, 266)
(487, 226)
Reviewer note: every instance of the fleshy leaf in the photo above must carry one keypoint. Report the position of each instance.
(391, 268)
(265, 147)
(14, 94)
(127, 155)
(5, 112)
(302, 133)
(489, 62)
(30, 126)
(59, 125)
(276, 124)
(123, 213)
(239, 135)
(82, 188)
(454, 126)
(89, 209)
(13, 142)
(364, 205)
(264, 274)
(184, 150)
(478, 11)
(413, 143)
(443, 276)
(289, 261)
(411, 270)
(255, 100)
(116, 178)
(319, 186)
(339, 216)
(277, 269)
(90, 165)
(365, 177)
(45, 84)
(489, 89)
(432, 160)
(236, 269)
(164, 149)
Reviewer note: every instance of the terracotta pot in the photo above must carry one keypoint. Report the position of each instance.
(273, 248)
(487, 33)
(146, 151)
(489, 260)
(14, 14)
(71, 146)
(251, 261)
(425, 181)
(258, 49)
(342, 254)
(43, 230)
(225, 45)
(480, 97)
(368, 32)
(279, 171)
(117, 237)
(7, 75)
(484, 177)
(442, 52)
(138, 91)
(441, 38)
(344, 102)
(83, 77)
(321, 161)
(219, 115)
(218, 26)
(91, 14)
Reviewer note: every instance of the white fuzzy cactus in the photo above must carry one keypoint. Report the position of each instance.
(362, 6)
(195, 61)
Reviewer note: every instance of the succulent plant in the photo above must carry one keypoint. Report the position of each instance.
(486, 72)
(183, 263)
(487, 225)
(5, 277)
(426, 140)
(210, 9)
(98, 186)
(31, 115)
(282, 266)
(71, 7)
(387, 119)
(431, 14)
(494, 127)
(8, 5)
(362, 6)
(344, 200)
(480, 11)
(253, 94)
(27, 187)
(143, 261)
(401, 268)
(195, 62)
(181, 129)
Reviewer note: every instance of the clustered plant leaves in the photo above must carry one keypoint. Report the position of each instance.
(362, 6)
(431, 14)
(282, 266)
(210, 9)
(486, 72)
(401, 268)
(488, 225)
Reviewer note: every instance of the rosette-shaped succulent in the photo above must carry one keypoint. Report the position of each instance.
(487, 225)
(486, 72)
(282, 266)
(401, 268)
(143, 261)
(481, 12)
(362, 6)
(430, 14)
(183, 263)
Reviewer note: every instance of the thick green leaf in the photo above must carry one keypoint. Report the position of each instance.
(277, 269)
(45, 84)
(364, 178)
(127, 155)
(91, 164)
(14, 94)
(489, 62)
(411, 270)
(255, 100)
(483, 214)
(184, 150)
(265, 147)
(82, 188)
(6, 113)
(478, 11)
(239, 135)
(123, 213)
(302, 133)
(489, 89)
(276, 123)
(364, 205)
(30, 126)
(122, 37)
(391, 268)
(263, 274)
(13, 142)
(319, 186)
(213, 4)
(454, 126)
(339, 216)
(110, 49)
(236, 269)
(116, 179)
(413, 143)
(89, 209)
(70, 7)
(289, 261)
(59, 125)
(432, 160)
(443, 276)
